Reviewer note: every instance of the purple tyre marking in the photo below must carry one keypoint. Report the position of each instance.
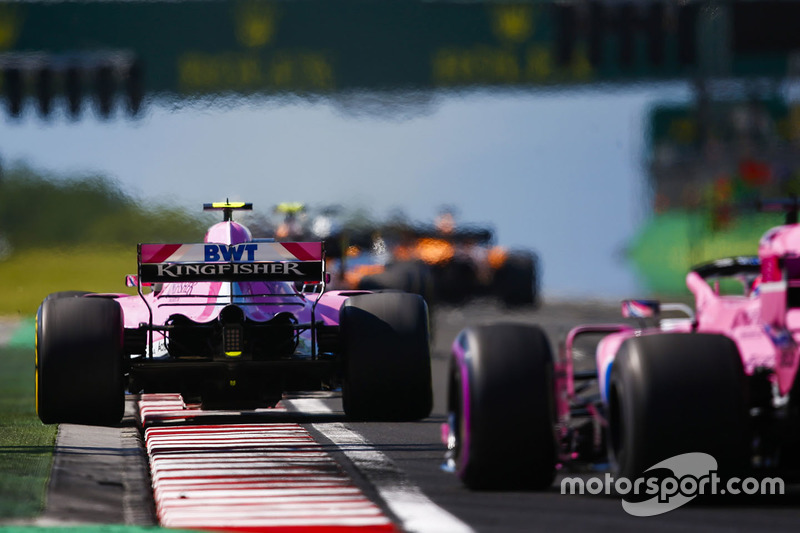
(463, 438)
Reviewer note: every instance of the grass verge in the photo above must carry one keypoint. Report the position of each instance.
(29, 275)
(26, 445)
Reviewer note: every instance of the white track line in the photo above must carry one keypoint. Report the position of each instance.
(416, 511)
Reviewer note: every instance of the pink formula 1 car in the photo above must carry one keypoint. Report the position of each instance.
(225, 322)
(721, 379)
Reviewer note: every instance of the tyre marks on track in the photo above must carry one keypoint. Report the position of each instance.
(248, 477)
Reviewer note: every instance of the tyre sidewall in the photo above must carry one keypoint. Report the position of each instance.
(675, 394)
(79, 361)
(386, 357)
(507, 414)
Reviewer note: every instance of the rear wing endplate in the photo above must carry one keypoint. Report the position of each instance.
(251, 261)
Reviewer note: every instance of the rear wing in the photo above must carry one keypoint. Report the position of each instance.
(250, 261)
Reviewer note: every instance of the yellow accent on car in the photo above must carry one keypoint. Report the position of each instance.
(290, 208)
(223, 205)
(233, 354)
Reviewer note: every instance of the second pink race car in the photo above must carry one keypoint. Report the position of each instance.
(720, 379)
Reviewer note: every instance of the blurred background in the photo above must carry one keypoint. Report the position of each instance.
(614, 139)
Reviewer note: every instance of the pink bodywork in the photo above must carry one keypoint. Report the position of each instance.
(202, 301)
(766, 333)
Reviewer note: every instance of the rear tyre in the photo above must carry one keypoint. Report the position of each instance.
(516, 282)
(79, 361)
(671, 394)
(455, 281)
(387, 368)
(502, 410)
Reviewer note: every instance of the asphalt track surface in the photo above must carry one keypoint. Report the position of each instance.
(100, 474)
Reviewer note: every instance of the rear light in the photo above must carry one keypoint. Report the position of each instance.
(232, 340)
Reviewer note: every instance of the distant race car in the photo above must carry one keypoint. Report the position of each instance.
(449, 266)
(441, 262)
(225, 323)
(720, 380)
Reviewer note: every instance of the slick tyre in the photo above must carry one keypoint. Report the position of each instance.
(387, 367)
(516, 282)
(79, 361)
(502, 409)
(670, 394)
(455, 282)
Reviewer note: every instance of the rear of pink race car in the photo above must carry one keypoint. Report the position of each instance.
(235, 322)
(667, 380)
